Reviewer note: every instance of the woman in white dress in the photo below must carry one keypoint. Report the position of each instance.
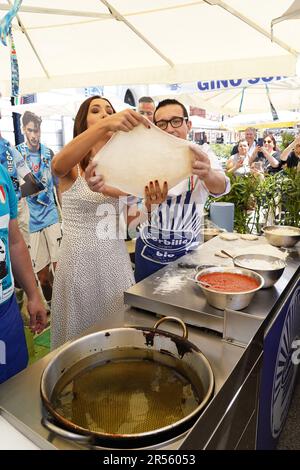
(94, 268)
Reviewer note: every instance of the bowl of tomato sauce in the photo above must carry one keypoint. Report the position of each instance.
(231, 288)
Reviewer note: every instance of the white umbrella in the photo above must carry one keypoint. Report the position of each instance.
(243, 98)
(64, 106)
(199, 122)
(73, 44)
(263, 120)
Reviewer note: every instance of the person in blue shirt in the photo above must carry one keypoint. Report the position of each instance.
(15, 262)
(44, 226)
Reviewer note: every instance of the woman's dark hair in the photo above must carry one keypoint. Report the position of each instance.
(273, 140)
(80, 122)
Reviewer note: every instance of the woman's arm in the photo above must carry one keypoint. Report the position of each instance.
(232, 166)
(254, 155)
(96, 135)
(272, 160)
(289, 149)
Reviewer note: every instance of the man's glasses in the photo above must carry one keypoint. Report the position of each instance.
(268, 141)
(175, 122)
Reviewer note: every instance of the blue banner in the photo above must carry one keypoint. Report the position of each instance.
(236, 83)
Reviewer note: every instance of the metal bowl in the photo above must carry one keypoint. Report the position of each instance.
(278, 239)
(232, 300)
(271, 275)
(209, 233)
(124, 345)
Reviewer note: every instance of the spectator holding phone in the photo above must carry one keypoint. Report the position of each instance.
(238, 164)
(266, 152)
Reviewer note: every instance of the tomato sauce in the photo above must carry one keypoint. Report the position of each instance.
(229, 282)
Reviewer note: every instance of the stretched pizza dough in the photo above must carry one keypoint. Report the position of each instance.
(249, 236)
(229, 236)
(130, 160)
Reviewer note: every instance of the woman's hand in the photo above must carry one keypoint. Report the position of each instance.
(95, 182)
(239, 163)
(125, 121)
(154, 194)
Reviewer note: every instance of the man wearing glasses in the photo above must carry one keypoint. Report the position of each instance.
(175, 216)
(146, 107)
(170, 220)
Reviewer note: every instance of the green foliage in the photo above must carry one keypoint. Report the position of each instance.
(256, 199)
(222, 150)
(287, 139)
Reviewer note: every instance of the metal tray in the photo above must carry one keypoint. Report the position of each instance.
(18, 436)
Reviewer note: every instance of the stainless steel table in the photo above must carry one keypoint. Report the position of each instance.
(230, 419)
(170, 288)
(21, 396)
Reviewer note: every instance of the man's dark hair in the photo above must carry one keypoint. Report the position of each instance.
(28, 116)
(168, 102)
(146, 99)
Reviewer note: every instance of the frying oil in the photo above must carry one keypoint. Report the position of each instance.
(130, 396)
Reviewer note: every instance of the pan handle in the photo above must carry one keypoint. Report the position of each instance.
(181, 323)
(65, 434)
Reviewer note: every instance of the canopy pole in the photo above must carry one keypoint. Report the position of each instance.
(115, 14)
(242, 99)
(253, 25)
(32, 47)
(56, 11)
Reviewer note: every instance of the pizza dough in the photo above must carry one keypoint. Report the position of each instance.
(249, 236)
(229, 236)
(130, 160)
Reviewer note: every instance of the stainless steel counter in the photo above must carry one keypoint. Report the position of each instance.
(170, 288)
(21, 395)
(230, 419)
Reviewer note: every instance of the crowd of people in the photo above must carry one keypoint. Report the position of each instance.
(261, 156)
(82, 274)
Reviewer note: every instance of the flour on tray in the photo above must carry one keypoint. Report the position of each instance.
(170, 282)
(261, 250)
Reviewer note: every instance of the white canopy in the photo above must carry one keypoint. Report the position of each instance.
(284, 95)
(262, 121)
(76, 43)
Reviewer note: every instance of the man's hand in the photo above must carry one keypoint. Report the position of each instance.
(154, 195)
(37, 313)
(95, 182)
(201, 165)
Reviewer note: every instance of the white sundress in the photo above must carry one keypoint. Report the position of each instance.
(92, 274)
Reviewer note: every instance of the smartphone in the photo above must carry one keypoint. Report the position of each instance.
(260, 142)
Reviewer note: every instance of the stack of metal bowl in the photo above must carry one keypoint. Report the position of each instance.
(270, 274)
(282, 235)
